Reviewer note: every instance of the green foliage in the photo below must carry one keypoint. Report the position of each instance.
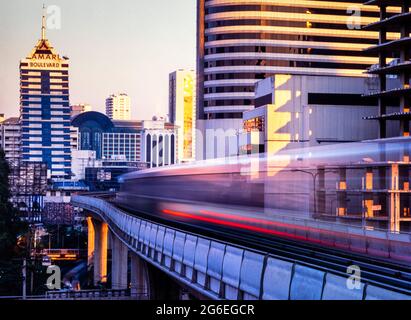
(10, 225)
(4, 178)
(12, 237)
(10, 277)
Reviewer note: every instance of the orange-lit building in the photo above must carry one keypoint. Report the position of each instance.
(182, 112)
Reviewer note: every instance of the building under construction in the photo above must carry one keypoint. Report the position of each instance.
(28, 186)
(394, 62)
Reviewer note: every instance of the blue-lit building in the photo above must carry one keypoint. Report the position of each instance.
(150, 141)
(45, 108)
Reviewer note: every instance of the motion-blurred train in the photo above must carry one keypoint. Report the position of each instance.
(351, 196)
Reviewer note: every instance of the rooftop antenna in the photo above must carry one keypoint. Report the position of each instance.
(43, 24)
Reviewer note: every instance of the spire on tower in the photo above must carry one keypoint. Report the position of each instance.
(43, 24)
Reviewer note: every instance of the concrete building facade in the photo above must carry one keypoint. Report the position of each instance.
(301, 111)
(159, 143)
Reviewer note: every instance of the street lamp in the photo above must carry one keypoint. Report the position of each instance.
(314, 176)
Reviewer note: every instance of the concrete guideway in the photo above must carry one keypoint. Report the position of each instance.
(214, 269)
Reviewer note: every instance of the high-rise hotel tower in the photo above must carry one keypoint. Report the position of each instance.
(243, 41)
(118, 107)
(182, 112)
(45, 108)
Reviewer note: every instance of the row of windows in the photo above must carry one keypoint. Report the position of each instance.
(44, 73)
(45, 133)
(229, 89)
(268, 49)
(44, 85)
(272, 36)
(121, 137)
(276, 23)
(34, 116)
(118, 147)
(51, 123)
(229, 102)
(43, 91)
(54, 109)
(233, 76)
(223, 115)
(255, 22)
(45, 99)
(285, 63)
(121, 151)
(46, 77)
(122, 140)
(277, 8)
(64, 156)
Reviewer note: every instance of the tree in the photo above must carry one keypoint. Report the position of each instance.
(11, 226)
(12, 235)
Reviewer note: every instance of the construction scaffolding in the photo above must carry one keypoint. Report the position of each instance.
(28, 186)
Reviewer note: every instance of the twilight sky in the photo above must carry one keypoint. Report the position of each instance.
(114, 46)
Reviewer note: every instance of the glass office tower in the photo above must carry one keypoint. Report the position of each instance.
(243, 41)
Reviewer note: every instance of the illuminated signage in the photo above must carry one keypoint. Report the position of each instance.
(44, 65)
(44, 61)
(41, 56)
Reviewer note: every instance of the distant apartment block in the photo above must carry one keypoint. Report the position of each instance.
(77, 109)
(118, 107)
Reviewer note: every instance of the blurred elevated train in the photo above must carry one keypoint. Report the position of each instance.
(353, 196)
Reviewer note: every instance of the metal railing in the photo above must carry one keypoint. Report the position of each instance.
(87, 295)
(224, 271)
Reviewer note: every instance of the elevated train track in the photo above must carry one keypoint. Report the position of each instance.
(393, 276)
(279, 205)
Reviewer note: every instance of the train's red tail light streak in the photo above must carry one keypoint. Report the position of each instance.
(284, 230)
(229, 223)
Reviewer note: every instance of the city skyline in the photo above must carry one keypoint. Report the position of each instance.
(277, 168)
(82, 38)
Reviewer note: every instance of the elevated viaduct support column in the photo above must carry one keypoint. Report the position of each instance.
(90, 241)
(100, 251)
(119, 260)
(139, 278)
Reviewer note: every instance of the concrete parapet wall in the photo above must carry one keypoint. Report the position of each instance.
(221, 270)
